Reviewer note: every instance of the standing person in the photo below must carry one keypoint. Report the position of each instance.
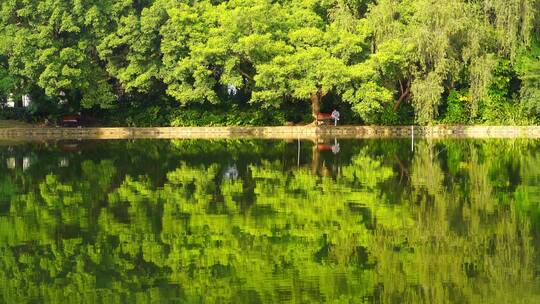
(335, 116)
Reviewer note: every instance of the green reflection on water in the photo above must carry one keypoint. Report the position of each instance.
(243, 221)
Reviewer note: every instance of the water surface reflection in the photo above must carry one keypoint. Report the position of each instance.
(248, 221)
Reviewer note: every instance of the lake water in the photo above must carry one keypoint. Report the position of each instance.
(254, 221)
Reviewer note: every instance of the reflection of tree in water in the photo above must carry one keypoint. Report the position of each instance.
(456, 229)
(320, 166)
(463, 245)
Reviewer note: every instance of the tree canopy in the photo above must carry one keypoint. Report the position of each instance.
(387, 62)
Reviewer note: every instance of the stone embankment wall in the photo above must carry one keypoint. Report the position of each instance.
(275, 132)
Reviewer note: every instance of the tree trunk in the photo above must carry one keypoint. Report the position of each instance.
(315, 104)
(315, 159)
(404, 94)
(401, 98)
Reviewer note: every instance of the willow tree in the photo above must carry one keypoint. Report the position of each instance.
(434, 37)
(445, 44)
(528, 61)
(529, 73)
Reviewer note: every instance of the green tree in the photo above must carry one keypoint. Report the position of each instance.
(52, 45)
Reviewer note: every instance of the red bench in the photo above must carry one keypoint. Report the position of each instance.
(70, 147)
(323, 117)
(324, 147)
(71, 120)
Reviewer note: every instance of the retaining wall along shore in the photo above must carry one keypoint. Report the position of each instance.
(275, 132)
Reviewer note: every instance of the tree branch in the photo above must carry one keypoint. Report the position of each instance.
(404, 95)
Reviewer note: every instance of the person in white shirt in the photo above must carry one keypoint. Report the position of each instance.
(335, 116)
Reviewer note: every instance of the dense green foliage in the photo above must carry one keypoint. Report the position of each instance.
(385, 62)
(250, 222)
